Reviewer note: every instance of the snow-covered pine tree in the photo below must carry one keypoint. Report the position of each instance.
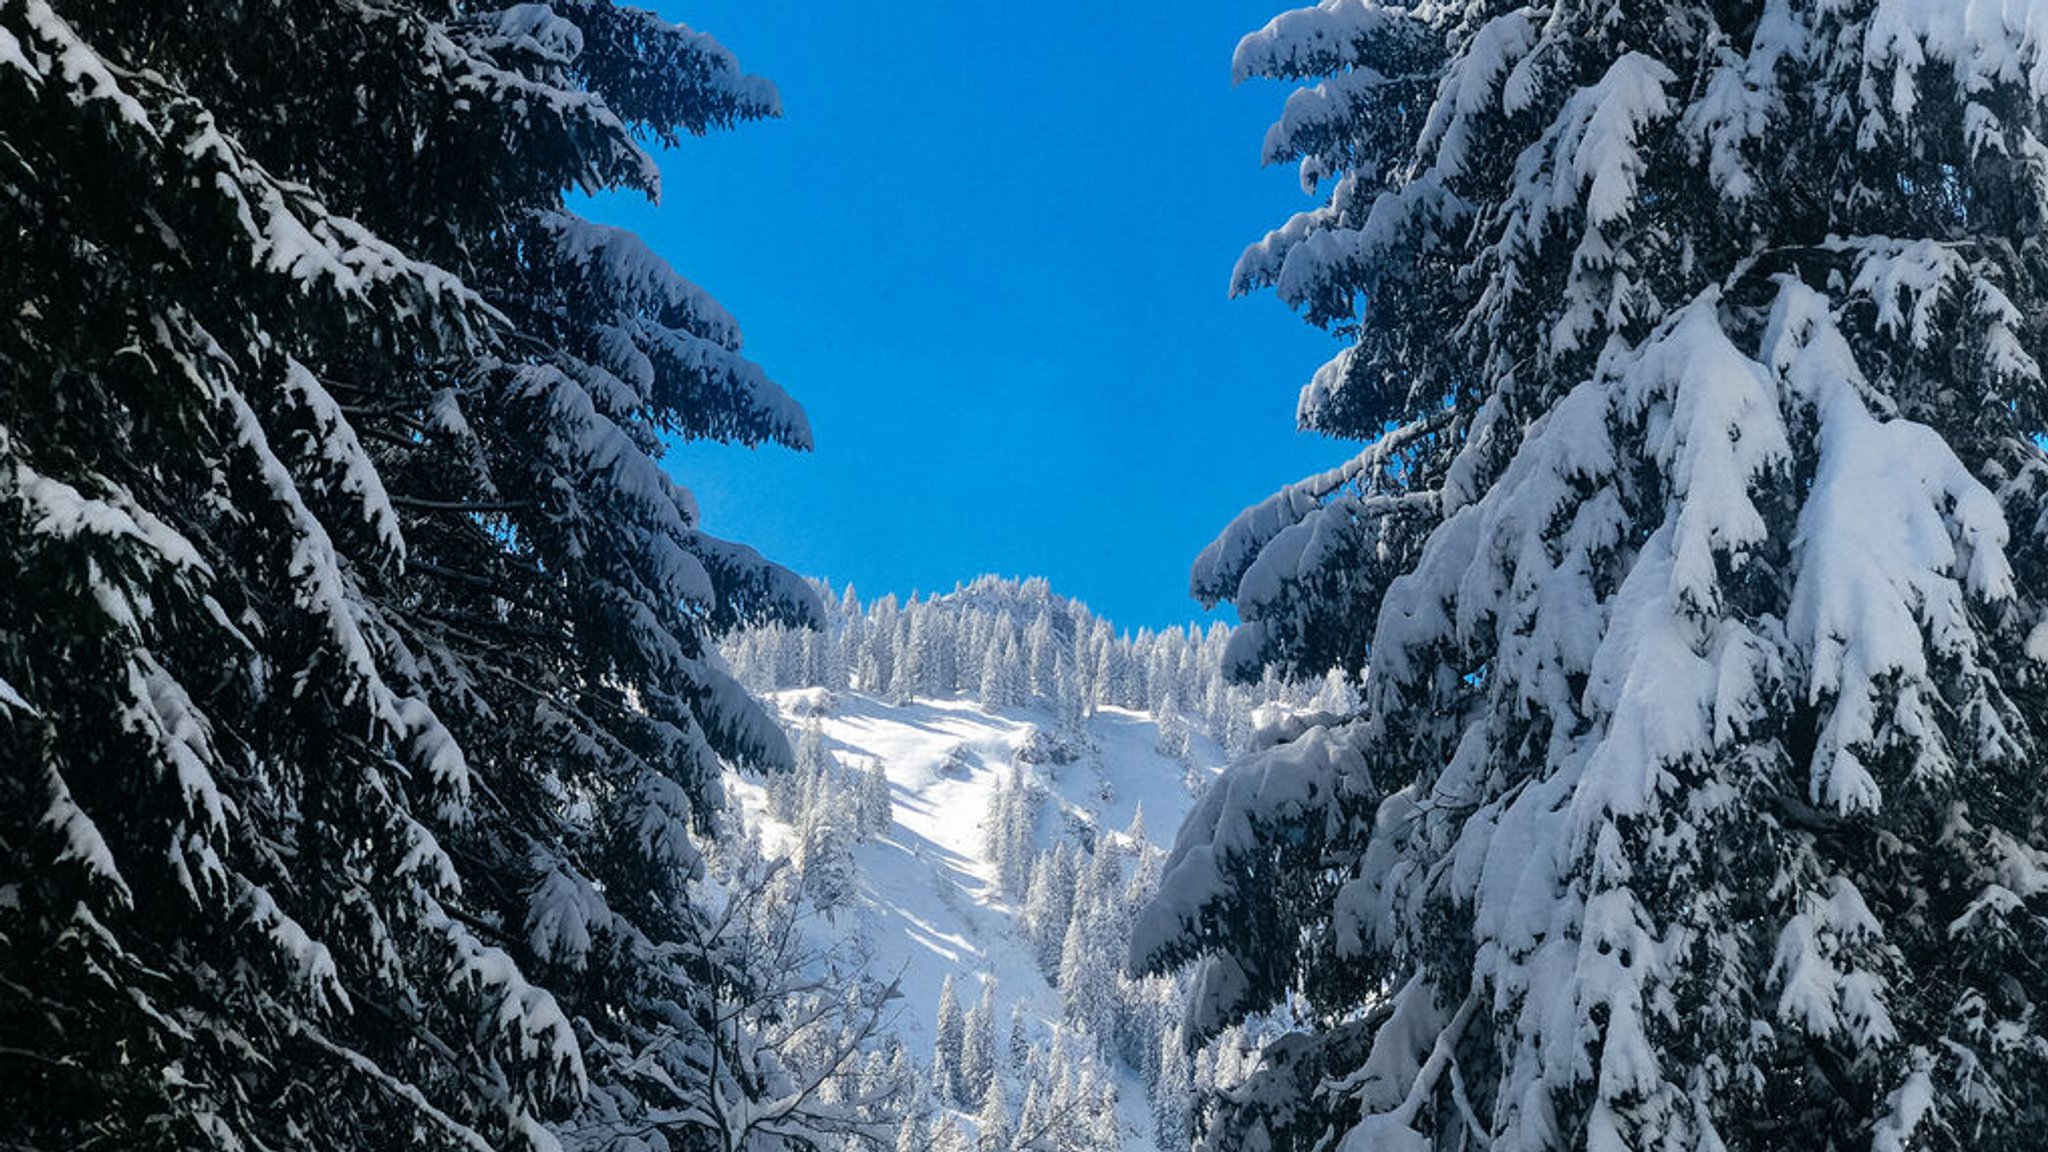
(1018, 1046)
(1049, 904)
(1040, 654)
(978, 1066)
(1010, 829)
(1088, 970)
(825, 854)
(812, 786)
(872, 797)
(355, 717)
(947, 1033)
(1098, 1112)
(876, 659)
(1172, 740)
(1145, 868)
(912, 1135)
(907, 674)
(994, 1130)
(1698, 563)
(1069, 697)
(993, 687)
(815, 764)
(902, 1076)
(1032, 1133)
(1172, 1092)
(948, 1136)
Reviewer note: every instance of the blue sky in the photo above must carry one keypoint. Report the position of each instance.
(988, 247)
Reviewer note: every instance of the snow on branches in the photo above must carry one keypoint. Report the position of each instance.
(1701, 720)
(359, 726)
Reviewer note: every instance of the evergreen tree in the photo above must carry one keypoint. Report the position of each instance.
(878, 651)
(995, 1131)
(1086, 981)
(1010, 830)
(1144, 881)
(1099, 888)
(811, 644)
(1104, 683)
(1032, 1122)
(814, 761)
(789, 656)
(1173, 741)
(802, 795)
(978, 1047)
(1040, 657)
(998, 664)
(907, 674)
(832, 671)
(948, 1137)
(1049, 905)
(1019, 1042)
(1068, 696)
(357, 718)
(947, 1035)
(877, 812)
(825, 857)
(1698, 569)
(1098, 1119)
(913, 1135)
(1172, 1093)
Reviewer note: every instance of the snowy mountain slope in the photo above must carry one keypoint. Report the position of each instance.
(927, 902)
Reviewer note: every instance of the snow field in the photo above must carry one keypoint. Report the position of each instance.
(928, 903)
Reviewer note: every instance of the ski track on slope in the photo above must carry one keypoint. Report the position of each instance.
(927, 903)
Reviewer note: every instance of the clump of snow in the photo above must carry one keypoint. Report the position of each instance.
(1330, 37)
(960, 762)
(536, 28)
(1287, 785)
(13, 701)
(1048, 746)
(82, 839)
(530, 1023)
(311, 962)
(560, 914)
(1905, 1108)
(1878, 596)
(342, 453)
(804, 703)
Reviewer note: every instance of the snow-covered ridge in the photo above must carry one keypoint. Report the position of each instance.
(985, 782)
(926, 902)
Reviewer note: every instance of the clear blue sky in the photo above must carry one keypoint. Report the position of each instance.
(988, 247)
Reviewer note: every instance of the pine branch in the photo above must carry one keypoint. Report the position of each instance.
(462, 505)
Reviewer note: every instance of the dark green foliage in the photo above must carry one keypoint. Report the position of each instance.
(1696, 573)
(356, 715)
